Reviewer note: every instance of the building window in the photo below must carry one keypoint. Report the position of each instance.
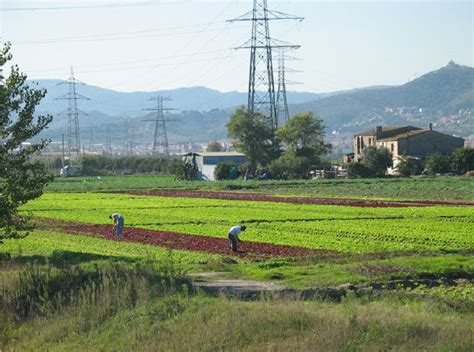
(358, 145)
(370, 141)
(392, 147)
(362, 143)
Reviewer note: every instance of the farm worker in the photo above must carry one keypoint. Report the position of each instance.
(234, 236)
(118, 223)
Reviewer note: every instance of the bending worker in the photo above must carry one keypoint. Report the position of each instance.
(118, 223)
(234, 236)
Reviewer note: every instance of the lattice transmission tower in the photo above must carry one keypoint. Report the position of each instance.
(160, 137)
(261, 88)
(72, 113)
(283, 113)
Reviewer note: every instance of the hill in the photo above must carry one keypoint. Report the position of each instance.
(111, 102)
(444, 97)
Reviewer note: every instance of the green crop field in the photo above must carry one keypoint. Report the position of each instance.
(439, 188)
(338, 228)
(65, 289)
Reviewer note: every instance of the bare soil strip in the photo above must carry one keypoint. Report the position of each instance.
(295, 200)
(174, 240)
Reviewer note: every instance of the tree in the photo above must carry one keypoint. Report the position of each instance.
(304, 133)
(252, 136)
(377, 160)
(437, 164)
(226, 170)
(408, 166)
(21, 178)
(185, 171)
(214, 147)
(463, 159)
(290, 166)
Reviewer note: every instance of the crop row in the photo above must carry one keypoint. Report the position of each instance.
(312, 226)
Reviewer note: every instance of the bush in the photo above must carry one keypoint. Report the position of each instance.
(102, 165)
(463, 160)
(185, 171)
(290, 166)
(377, 160)
(408, 166)
(358, 170)
(226, 170)
(437, 164)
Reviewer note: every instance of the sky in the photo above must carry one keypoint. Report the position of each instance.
(164, 44)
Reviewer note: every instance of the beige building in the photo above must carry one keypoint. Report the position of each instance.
(406, 140)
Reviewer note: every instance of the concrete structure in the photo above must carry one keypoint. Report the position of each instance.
(406, 141)
(206, 162)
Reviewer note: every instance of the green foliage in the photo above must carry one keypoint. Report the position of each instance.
(214, 147)
(358, 170)
(437, 164)
(408, 166)
(341, 228)
(252, 136)
(463, 159)
(377, 160)
(102, 165)
(226, 170)
(304, 133)
(185, 170)
(21, 178)
(290, 166)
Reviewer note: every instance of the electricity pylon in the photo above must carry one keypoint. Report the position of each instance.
(160, 137)
(283, 113)
(72, 113)
(261, 88)
(128, 138)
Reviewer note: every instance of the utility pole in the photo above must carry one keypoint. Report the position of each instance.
(72, 113)
(261, 88)
(160, 137)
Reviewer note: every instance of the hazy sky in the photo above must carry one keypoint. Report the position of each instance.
(152, 45)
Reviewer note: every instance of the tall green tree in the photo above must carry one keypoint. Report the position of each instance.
(437, 164)
(304, 134)
(377, 160)
(252, 136)
(21, 178)
(463, 159)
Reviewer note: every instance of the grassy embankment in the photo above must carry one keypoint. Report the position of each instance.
(104, 306)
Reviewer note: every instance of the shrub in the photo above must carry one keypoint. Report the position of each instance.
(185, 171)
(358, 170)
(437, 164)
(226, 170)
(290, 166)
(463, 160)
(377, 160)
(408, 166)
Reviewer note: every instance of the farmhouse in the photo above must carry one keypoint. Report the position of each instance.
(206, 162)
(406, 140)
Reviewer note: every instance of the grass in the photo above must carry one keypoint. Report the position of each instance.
(438, 188)
(149, 307)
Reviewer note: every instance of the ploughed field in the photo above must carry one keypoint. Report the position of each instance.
(199, 223)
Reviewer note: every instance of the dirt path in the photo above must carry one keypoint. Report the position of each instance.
(174, 240)
(259, 197)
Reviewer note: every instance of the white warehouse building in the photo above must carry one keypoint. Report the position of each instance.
(206, 162)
